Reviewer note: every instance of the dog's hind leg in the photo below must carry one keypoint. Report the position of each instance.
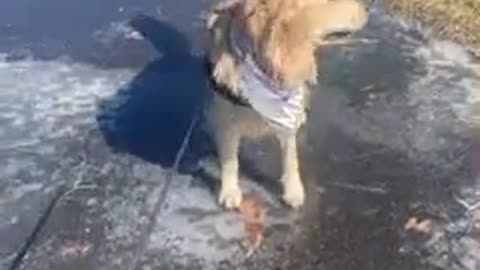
(293, 192)
(228, 141)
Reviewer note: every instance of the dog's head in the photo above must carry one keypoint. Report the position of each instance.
(285, 33)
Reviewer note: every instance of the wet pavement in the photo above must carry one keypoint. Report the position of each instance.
(95, 100)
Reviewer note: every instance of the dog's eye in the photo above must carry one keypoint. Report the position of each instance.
(338, 35)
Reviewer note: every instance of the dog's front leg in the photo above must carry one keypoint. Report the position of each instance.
(293, 192)
(230, 194)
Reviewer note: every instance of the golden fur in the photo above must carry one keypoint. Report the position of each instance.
(284, 35)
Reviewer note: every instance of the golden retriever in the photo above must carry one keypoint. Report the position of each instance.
(261, 58)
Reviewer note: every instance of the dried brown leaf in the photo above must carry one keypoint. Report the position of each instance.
(253, 217)
(419, 225)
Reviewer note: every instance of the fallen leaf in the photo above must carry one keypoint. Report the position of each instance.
(253, 217)
(419, 225)
(75, 249)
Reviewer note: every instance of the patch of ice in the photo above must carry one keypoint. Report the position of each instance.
(42, 100)
(12, 166)
(115, 31)
(451, 51)
(15, 193)
(443, 97)
(437, 106)
(124, 215)
(194, 225)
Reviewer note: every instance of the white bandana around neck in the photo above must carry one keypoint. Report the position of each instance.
(281, 108)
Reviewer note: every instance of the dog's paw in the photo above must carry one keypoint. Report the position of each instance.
(230, 197)
(293, 194)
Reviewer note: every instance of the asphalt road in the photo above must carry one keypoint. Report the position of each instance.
(95, 99)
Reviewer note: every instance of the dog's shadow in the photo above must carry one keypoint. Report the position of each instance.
(150, 116)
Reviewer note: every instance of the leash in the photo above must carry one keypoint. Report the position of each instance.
(164, 192)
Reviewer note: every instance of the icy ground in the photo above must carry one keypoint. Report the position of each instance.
(96, 107)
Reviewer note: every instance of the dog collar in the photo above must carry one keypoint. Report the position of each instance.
(223, 90)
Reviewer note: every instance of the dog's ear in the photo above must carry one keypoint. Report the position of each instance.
(226, 7)
(218, 25)
(219, 21)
